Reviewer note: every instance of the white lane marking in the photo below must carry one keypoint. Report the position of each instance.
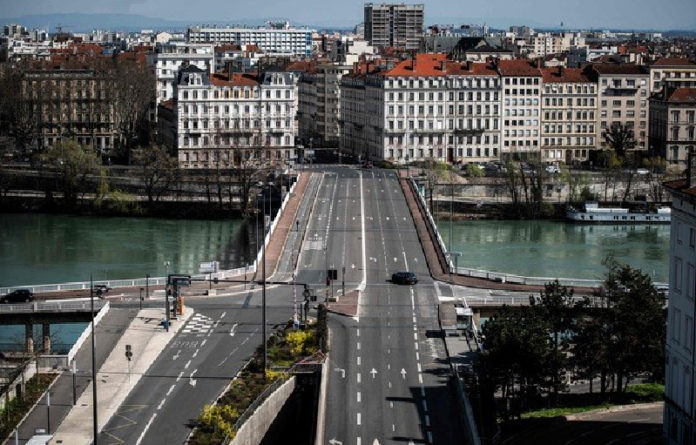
(171, 388)
(430, 437)
(188, 363)
(358, 442)
(358, 345)
(176, 356)
(391, 404)
(192, 381)
(203, 342)
(358, 418)
(359, 396)
(419, 368)
(159, 407)
(425, 406)
(223, 314)
(358, 360)
(388, 366)
(363, 283)
(415, 336)
(234, 326)
(358, 377)
(390, 385)
(195, 353)
(357, 332)
(416, 345)
(179, 377)
(147, 427)
(393, 427)
(427, 421)
(420, 378)
(422, 391)
(388, 350)
(417, 356)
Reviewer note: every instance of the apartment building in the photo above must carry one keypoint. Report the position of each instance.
(71, 103)
(568, 115)
(221, 117)
(544, 44)
(272, 41)
(521, 108)
(672, 72)
(395, 25)
(623, 100)
(171, 57)
(673, 125)
(679, 421)
(423, 108)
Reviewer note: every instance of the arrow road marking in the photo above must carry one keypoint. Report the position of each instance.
(335, 442)
(192, 381)
(176, 356)
(373, 372)
(232, 329)
(403, 373)
(342, 371)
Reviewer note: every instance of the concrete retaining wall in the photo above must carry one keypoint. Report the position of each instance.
(256, 426)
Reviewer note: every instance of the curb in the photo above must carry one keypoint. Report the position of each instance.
(321, 412)
(614, 409)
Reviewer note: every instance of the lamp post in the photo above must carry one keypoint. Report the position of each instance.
(95, 425)
(141, 298)
(263, 291)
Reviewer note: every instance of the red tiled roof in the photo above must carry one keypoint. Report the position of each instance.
(518, 67)
(565, 75)
(680, 185)
(473, 69)
(235, 79)
(227, 47)
(675, 61)
(307, 66)
(619, 68)
(683, 95)
(427, 64)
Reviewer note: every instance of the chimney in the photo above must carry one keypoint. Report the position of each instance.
(691, 170)
(538, 63)
(468, 65)
(443, 66)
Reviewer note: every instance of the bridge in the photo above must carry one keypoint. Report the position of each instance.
(387, 377)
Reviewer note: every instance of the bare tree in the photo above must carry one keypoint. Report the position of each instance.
(157, 171)
(621, 139)
(73, 166)
(133, 94)
(250, 169)
(18, 106)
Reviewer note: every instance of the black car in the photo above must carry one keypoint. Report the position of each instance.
(101, 289)
(404, 278)
(18, 296)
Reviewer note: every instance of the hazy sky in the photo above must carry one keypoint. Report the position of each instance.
(660, 14)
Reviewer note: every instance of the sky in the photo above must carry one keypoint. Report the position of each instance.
(624, 14)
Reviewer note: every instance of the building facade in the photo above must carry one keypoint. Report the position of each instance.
(222, 118)
(395, 25)
(672, 72)
(568, 115)
(427, 108)
(673, 125)
(71, 103)
(623, 100)
(679, 421)
(171, 57)
(521, 106)
(271, 41)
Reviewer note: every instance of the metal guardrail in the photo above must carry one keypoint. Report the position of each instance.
(154, 281)
(50, 306)
(503, 277)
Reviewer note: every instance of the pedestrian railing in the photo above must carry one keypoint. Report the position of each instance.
(50, 306)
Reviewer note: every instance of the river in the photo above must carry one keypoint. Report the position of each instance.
(558, 249)
(41, 248)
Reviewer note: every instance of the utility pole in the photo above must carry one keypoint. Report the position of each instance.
(263, 294)
(95, 426)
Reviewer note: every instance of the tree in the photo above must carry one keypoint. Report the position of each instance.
(611, 166)
(133, 94)
(474, 171)
(73, 165)
(157, 171)
(621, 139)
(18, 107)
(636, 323)
(656, 167)
(249, 171)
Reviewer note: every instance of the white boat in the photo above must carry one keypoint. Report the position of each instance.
(592, 213)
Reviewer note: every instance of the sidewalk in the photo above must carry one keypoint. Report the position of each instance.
(147, 338)
(437, 263)
(108, 331)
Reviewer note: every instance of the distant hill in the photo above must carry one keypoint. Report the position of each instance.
(78, 22)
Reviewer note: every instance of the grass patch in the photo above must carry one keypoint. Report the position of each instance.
(579, 403)
(18, 407)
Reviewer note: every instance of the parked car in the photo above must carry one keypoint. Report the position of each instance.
(18, 296)
(404, 278)
(553, 169)
(101, 289)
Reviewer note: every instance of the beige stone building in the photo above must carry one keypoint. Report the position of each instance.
(568, 115)
(623, 100)
(673, 125)
(672, 72)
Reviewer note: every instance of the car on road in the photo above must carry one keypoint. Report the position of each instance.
(101, 289)
(18, 296)
(404, 278)
(553, 169)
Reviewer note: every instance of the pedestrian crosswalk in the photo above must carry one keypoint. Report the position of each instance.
(199, 325)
